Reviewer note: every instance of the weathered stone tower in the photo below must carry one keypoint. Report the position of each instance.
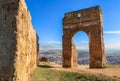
(18, 41)
(90, 21)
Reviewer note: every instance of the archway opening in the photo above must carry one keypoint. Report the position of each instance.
(81, 41)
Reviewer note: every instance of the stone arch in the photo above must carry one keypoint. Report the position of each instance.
(90, 21)
(78, 32)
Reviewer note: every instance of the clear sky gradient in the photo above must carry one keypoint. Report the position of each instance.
(47, 20)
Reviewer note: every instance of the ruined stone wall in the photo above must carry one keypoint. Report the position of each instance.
(89, 21)
(18, 41)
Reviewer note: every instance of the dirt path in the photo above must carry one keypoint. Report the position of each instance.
(113, 72)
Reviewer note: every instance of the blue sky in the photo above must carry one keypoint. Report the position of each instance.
(47, 20)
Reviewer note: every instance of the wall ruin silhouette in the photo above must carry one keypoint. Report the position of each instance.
(90, 21)
(18, 41)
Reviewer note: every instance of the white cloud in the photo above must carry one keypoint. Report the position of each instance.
(81, 42)
(82, 46)
(112, 46)
(84, 41)
(107, 46)
(112, 32)
(54, 42)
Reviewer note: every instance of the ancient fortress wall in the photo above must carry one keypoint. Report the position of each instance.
(18, 41)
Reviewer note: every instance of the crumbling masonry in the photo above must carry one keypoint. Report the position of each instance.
(90, 21)
(18, 41)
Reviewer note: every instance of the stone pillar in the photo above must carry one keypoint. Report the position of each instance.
(18, 41)
(69, 50)
(96, 48)
(67, 46)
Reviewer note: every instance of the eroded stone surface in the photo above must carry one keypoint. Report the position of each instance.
(90, 21)
(18, 41)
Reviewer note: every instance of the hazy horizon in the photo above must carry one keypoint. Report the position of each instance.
(47, 46)
(55, 55)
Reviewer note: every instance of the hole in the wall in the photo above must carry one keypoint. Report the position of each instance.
(79, 15)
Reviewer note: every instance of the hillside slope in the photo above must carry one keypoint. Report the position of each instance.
(54, 72)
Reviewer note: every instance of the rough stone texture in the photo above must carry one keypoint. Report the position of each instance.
(90, 21)
(18, 41)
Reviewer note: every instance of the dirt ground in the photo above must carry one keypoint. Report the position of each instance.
(112, 71)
